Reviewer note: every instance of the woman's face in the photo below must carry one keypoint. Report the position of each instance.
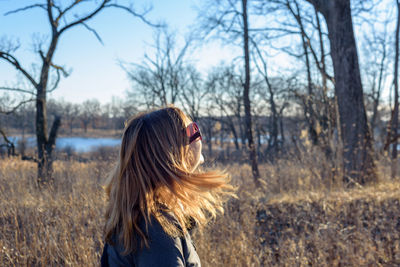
(195, 156)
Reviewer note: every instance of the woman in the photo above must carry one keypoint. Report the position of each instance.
(156, 192)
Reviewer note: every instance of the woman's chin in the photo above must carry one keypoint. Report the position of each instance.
(198, 163)
(201, 159)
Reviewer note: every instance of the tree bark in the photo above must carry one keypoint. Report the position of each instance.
(273, 139)
(45, 144)
(327, 119)
(358, 160)
(395, 121)
(376, 92)
(234, 132)
(273, 120)
(246, 98)
(308, 108)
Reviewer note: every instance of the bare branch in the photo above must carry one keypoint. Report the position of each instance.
(56, 82)
(298, 18)
(53, 24)
(290, 53)
(56, 7)
(29, 158)
(16, 90)
(13, 109)
(60, 68)
(83, 19)
(25, 8)
(140, 16)
(94, 32)
(9, 46)
(264, 71)
(266, 29)
(42, 55)
(320, 5)
(10, 145)
(63, 12)
(12, 60)
(53, 131)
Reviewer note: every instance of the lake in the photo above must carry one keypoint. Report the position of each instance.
(78, 144)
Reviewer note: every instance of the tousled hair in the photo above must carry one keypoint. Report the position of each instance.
(153, 177)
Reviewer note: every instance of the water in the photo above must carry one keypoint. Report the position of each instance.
(78, 144)
(83, 144)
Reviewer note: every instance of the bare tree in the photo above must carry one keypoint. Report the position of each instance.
(359, 166)
(159, 80)
(9, 106)
(120, 111)
(230, 21)
(89, 111)
(193, 93)
(246, 93)
(207, 124)
(395, 121)
(307, 25)
(309, 101)
(274, 88)
(226, 94)
(393, 128)
(61, 18)
(69, 113)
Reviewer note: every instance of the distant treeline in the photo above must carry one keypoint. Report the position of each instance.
(224, 130)
(324, 72)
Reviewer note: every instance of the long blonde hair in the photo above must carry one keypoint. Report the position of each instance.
(153, 177)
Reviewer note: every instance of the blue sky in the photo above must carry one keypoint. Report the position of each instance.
(95, 72)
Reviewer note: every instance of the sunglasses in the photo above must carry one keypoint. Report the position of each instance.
(193, 132)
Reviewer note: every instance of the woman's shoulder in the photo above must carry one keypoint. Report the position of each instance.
(156, 234)
(167, 250)
(162, 250)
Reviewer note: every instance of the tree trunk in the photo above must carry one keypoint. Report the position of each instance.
(208, 130)
(239, 122)
(45, 144)
(395, 121)
(326, 120)
(376, 92)
(258, 136)
(309, 109)
(210, 148)
(234, 133)
(309, 101)
(282, 142)
(71, 127)
(246, 98)
(273, 138)
(358, 162)
(85, 125)
(44, 160)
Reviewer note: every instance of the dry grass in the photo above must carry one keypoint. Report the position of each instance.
(297, 218)
(53, 227)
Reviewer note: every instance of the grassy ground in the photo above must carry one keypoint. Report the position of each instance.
(298, 217)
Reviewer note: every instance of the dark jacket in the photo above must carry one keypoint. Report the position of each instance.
(163, 250)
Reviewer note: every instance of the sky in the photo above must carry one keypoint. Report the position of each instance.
(94, 68)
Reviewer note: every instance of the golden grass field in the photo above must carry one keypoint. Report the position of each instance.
(298, 217)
